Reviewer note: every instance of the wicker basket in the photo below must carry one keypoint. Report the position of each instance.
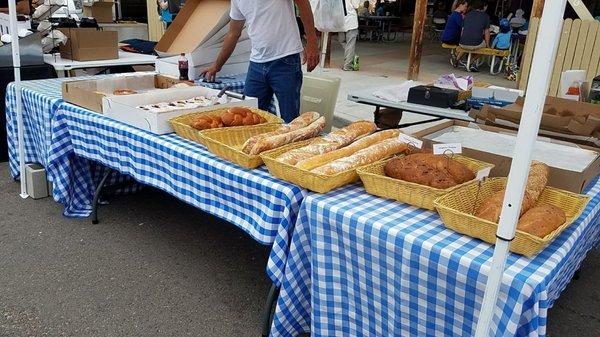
(227, 143)
(182, 124)
(319, 183)
(457, 207)
(377, 183)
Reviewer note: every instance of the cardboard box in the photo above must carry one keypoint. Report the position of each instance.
(102, 11)
(89, 93)
(559, 115)
(559, 177)
(125, 108)
(198, 31)
(89, 44)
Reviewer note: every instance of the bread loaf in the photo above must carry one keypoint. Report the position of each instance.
(428, 169)
(320, 160)
(330, 142)
(206, 122)
(541, 220)
(371, 154)
(301, 121)
(491, 208)
(273, 142)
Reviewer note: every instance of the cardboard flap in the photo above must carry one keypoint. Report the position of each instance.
(195, 24)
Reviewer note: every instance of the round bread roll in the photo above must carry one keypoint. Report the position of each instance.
(239, 110)
(237, 120)
(248, 120)
(202, 123)
(227, 118)
(121, 92)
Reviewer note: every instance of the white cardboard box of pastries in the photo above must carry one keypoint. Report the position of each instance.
(152, 110)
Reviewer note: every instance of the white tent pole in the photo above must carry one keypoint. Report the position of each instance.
(541, 70)
(16, 58)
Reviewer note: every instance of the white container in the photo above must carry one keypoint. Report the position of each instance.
(126, 108)
(37, 185)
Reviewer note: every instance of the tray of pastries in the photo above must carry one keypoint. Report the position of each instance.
(420, 178)
(190, 126)
(330, 161)
(243, 145)
(475, 210)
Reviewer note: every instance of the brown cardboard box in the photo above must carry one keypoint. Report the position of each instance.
(559, 178)
(89, 44)
(102, 11)
(89, 93)
(559, 115)
(197, 21)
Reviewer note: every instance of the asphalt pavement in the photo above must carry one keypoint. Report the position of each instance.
(155, 266)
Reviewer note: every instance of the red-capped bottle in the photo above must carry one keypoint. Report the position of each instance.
(183, 67)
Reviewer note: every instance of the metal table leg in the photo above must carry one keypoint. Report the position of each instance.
(269, 310)
(97, 195)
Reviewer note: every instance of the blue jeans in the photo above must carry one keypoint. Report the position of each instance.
(283, 77)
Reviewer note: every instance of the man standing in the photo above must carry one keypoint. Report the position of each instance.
(275, 65)
(349, 36)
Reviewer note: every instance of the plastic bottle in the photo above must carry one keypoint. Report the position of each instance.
(183, 68)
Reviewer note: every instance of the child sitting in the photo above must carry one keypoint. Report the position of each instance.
(476, 31)
(502, 39)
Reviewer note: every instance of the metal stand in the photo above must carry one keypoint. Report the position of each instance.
(269, 310)
(97, 195)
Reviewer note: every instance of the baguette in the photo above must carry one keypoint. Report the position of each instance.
(273, 142)
(491, 208)
(328, 143)
(541, 220)
(320, 160)
(371, 154)
(299, 122)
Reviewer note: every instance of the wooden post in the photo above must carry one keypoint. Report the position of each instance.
(537, 9)
(416, 43)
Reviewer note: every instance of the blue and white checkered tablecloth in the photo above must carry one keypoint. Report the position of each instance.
(40, 100)
(373, 267)
(261, 205)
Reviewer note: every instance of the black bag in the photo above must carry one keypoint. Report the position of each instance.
(433, 96)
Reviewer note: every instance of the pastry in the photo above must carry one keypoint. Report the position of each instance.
(322, 159)
(303, 120)
(121, 92)
(273, 142)
(428, 169)
(491, 208)
(330, 142)
(541, 220)
(371, 154)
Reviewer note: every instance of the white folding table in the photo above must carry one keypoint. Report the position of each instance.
(365, 96)
(125, 59)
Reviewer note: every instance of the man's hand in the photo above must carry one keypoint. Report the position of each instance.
(311, 51)
(210, 73)
(311, 55)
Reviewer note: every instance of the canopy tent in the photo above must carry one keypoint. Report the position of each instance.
(543, 61)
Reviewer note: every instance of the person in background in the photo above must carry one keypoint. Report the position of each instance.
(364, 10)
(476, 31)
(382, 9)
(348, 38)
(453, 30)
(502, 39)
(163, 12)
(275, 61)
